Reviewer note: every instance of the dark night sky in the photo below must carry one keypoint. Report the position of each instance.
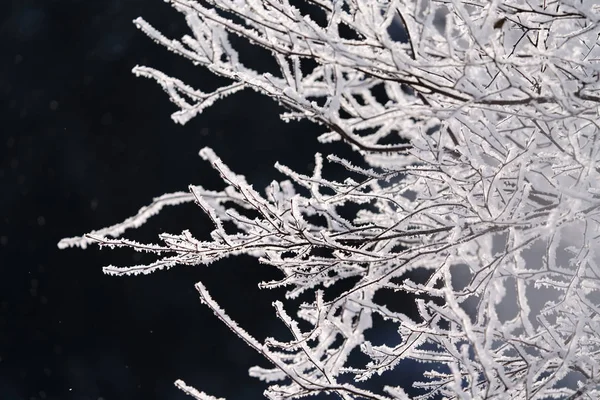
(85, 144)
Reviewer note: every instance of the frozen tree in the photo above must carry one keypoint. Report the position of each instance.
(479, 194)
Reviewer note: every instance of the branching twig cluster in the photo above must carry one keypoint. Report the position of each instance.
(482, 142)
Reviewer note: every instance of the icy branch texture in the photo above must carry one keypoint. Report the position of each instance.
(481, 144)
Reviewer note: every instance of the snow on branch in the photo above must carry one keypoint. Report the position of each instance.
(481, 144)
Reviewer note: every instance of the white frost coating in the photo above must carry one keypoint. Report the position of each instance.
(169, 199)
(176, 89)
(479, 149)
(196, 394)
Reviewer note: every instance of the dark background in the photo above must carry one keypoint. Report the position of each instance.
(85, 144)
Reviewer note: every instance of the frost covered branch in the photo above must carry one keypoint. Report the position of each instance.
(481, 148)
